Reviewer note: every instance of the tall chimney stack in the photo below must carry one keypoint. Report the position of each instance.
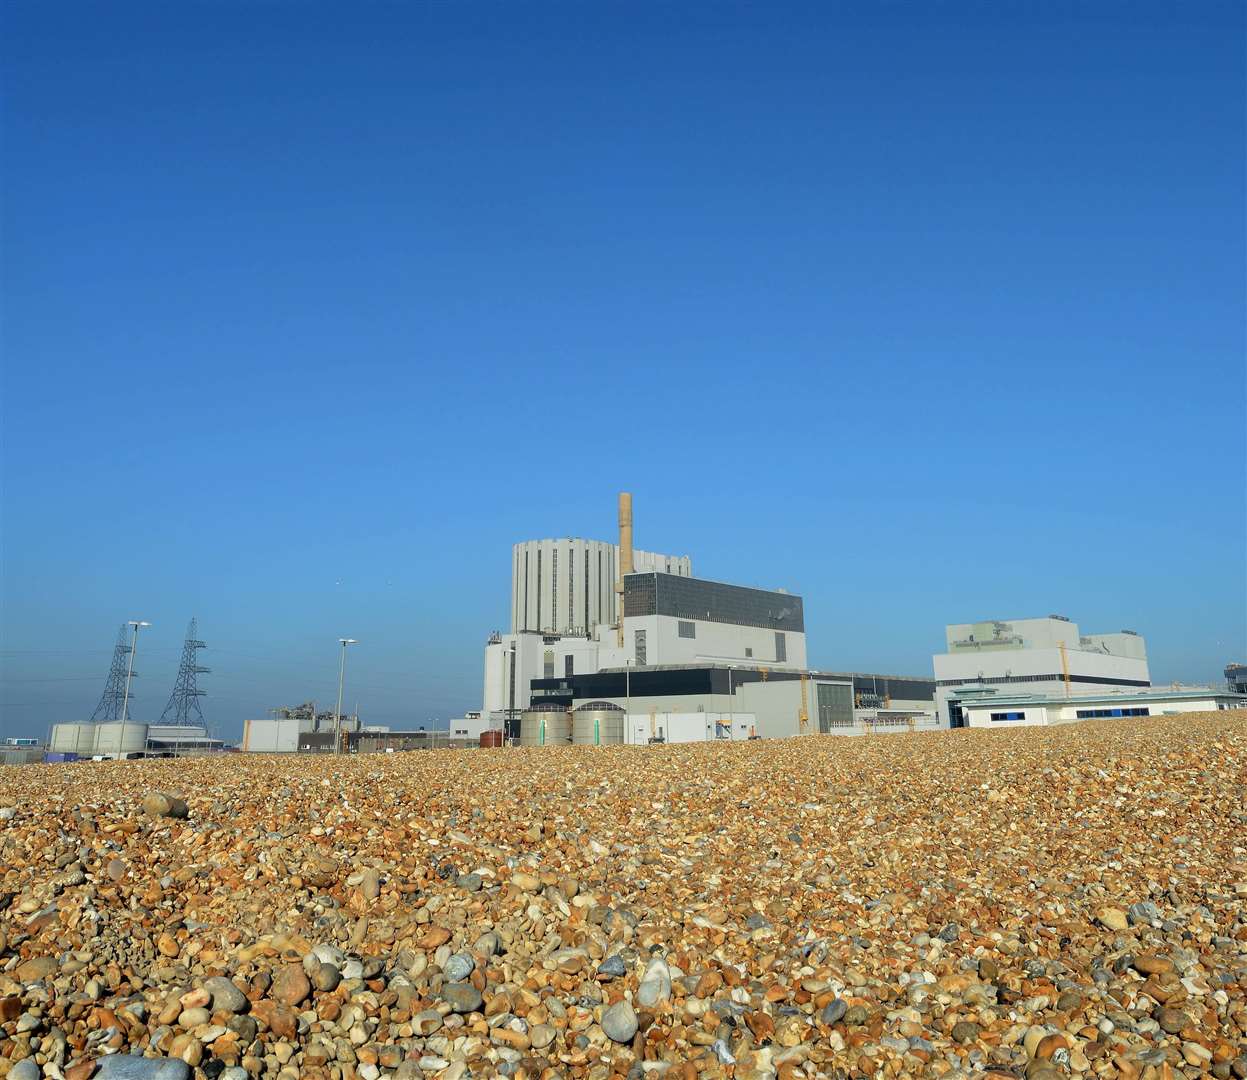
(625, 553)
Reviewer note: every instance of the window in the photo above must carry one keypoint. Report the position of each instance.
(1092, 714)
(781, 648)
(567, 665)
(1008, 716)
(748, 651)
(549, 664)
(687, 629)
(639, 646)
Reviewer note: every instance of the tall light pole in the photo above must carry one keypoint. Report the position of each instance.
(628, 694)
(337, 716)
(138, 625)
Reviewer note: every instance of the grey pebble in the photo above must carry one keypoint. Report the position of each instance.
(620, 1022)
(130, 1067)
(613, 967)
(458, 967)
(462, 997)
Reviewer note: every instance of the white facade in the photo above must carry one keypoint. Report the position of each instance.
(1033, 656)
(513, 661)
(470, 726)
(684, 727)
(1003, 710)
(279, 736)
(670, 640)
(568, 586)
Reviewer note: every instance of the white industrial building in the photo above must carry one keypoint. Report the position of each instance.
(681, 658)
(990, 707)
(1045, 657)
(114, 739)
(569, 586)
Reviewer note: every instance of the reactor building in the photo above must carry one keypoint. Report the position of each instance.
(609, 644)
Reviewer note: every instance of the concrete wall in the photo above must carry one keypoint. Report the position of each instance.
(271, 736)
(682, 727)
(963, 668)
(716, 643)
(567, 586)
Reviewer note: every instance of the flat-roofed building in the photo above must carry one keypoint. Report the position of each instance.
(1034, 656)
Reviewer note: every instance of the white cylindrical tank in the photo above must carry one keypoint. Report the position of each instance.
(111, 740)
(73, 739)
(597, 723)
(544, 725)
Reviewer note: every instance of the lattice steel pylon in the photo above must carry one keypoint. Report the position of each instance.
(184, 701)
(108, 711)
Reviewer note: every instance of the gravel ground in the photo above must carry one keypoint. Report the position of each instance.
(1035, 902)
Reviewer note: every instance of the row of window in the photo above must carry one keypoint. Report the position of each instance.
(998, 679)
(1091, 714)
(1008, 716)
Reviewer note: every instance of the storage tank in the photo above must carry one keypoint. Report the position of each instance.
(597, 723)
(111, 740)
(73, 739)
(544, 725)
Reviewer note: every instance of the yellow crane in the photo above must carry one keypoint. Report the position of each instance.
(805, 699)
(1064, 666)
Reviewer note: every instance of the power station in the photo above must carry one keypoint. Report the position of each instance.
(610, 644)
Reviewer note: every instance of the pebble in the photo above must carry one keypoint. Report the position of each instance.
(226, 996)
(613, 967)
(291, 985)
(620, 1022)
(160, 804)
(834, 1011)
(921, 927)
(655, 983)
(130, 1067)
(462, 997)
(26, 1069)
(326, 978)
(458, 967)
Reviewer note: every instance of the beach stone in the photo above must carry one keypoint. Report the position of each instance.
(26, 1069)
(458, 967)
(470, 882)
(162, 804)
(326, 978)
(1171, 1020)
(462, 997)
(291, 985)
(856, 1015)
(1112, 918)
(129, 1067)
(655, 984)
(833, 1012)
(620, 1022)
(660, 873)
(226, 996)
(40, 967)
(613, 967)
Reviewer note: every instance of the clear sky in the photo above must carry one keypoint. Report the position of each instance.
(928, 311)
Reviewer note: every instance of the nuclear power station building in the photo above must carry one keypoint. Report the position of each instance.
(608, 644)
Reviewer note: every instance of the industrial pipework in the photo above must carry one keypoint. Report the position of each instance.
(625, 553)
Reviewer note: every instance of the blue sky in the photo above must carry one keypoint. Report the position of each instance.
(928, 311)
